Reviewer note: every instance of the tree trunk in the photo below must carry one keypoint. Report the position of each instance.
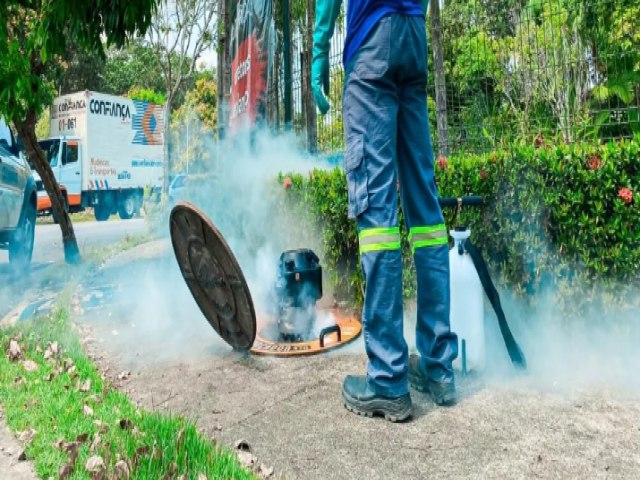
(440, 81)
(167, 158)
(27, 132)
(222, 60)
(309, 104)
(226, 71)
(286, 60)
(278, 78)
(276, 91)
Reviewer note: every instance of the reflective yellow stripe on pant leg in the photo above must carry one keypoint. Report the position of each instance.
(378, 239)
(427, 236)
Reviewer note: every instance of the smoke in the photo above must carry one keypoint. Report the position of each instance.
(151, 315)
(568, 347)
(597, 349)
(245, 203)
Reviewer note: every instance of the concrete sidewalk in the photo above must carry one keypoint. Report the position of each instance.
(11, 468)
(145, 321)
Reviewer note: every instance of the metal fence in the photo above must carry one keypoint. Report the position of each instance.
(562, 70)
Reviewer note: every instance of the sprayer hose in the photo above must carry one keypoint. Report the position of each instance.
(514, 350)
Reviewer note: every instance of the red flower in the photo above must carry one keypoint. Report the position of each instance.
(539, 141)
(442, 162)
(594, 162)
(483, 174)
(626, 195)
(287, 183)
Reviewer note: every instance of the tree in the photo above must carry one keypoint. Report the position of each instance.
(36, 34)
(194, 125)
(181, 31)
(134, 65)
(81, 70)
(550, 53)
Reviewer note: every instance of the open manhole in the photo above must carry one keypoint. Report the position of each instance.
(342, 329)
(218, 286)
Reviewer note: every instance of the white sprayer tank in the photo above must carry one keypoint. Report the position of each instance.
(467, 306)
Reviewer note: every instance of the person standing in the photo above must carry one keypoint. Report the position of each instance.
(387, 138)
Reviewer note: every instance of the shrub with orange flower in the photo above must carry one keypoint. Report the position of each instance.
(594, 162)
(626, 195)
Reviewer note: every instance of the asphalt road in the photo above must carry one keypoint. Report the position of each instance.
(48, 243)
(42, 280)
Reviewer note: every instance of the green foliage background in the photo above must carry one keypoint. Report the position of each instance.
(549, 220)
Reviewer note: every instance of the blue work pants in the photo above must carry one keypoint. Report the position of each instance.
(388, 139)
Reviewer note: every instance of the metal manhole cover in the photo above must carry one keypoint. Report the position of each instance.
(213, 276)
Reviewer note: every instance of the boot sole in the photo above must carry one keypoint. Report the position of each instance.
(389, 409)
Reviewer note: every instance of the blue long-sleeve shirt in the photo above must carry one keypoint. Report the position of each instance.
(363, 15)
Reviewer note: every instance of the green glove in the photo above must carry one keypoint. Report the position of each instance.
(326, 14)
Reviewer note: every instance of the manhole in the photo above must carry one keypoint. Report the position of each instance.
(342, 330)
(219, 288)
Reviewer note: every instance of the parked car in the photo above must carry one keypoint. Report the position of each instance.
(18, 201)
(177, 187)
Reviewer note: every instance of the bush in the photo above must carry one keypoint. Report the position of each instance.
(146, 95)
(563, 217)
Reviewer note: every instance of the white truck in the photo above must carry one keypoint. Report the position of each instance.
(104, 151)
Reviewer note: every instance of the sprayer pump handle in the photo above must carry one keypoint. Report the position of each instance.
(469, 200)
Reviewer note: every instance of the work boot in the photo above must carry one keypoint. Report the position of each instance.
(360, 399)
(442, 393)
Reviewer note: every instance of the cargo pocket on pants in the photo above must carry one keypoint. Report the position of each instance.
(357, 179)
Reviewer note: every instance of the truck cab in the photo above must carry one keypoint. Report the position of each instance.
(63, 155)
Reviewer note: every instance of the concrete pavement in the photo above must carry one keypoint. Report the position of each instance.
(144, 320)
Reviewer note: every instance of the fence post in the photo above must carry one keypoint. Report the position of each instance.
(440, 81)
(309, 104)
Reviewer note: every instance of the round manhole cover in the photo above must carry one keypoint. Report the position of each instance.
(213, 276)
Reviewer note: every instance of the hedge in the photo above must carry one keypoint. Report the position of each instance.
(558, 217)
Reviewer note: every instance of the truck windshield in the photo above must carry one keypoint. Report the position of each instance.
(50, 149)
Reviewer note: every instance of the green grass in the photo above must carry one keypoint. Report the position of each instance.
(54, 407)
(79, 217)
(93, 256)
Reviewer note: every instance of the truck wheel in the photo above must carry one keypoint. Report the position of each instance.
(65, 205)
(21, 245)
(127, 207)
(102, 212)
